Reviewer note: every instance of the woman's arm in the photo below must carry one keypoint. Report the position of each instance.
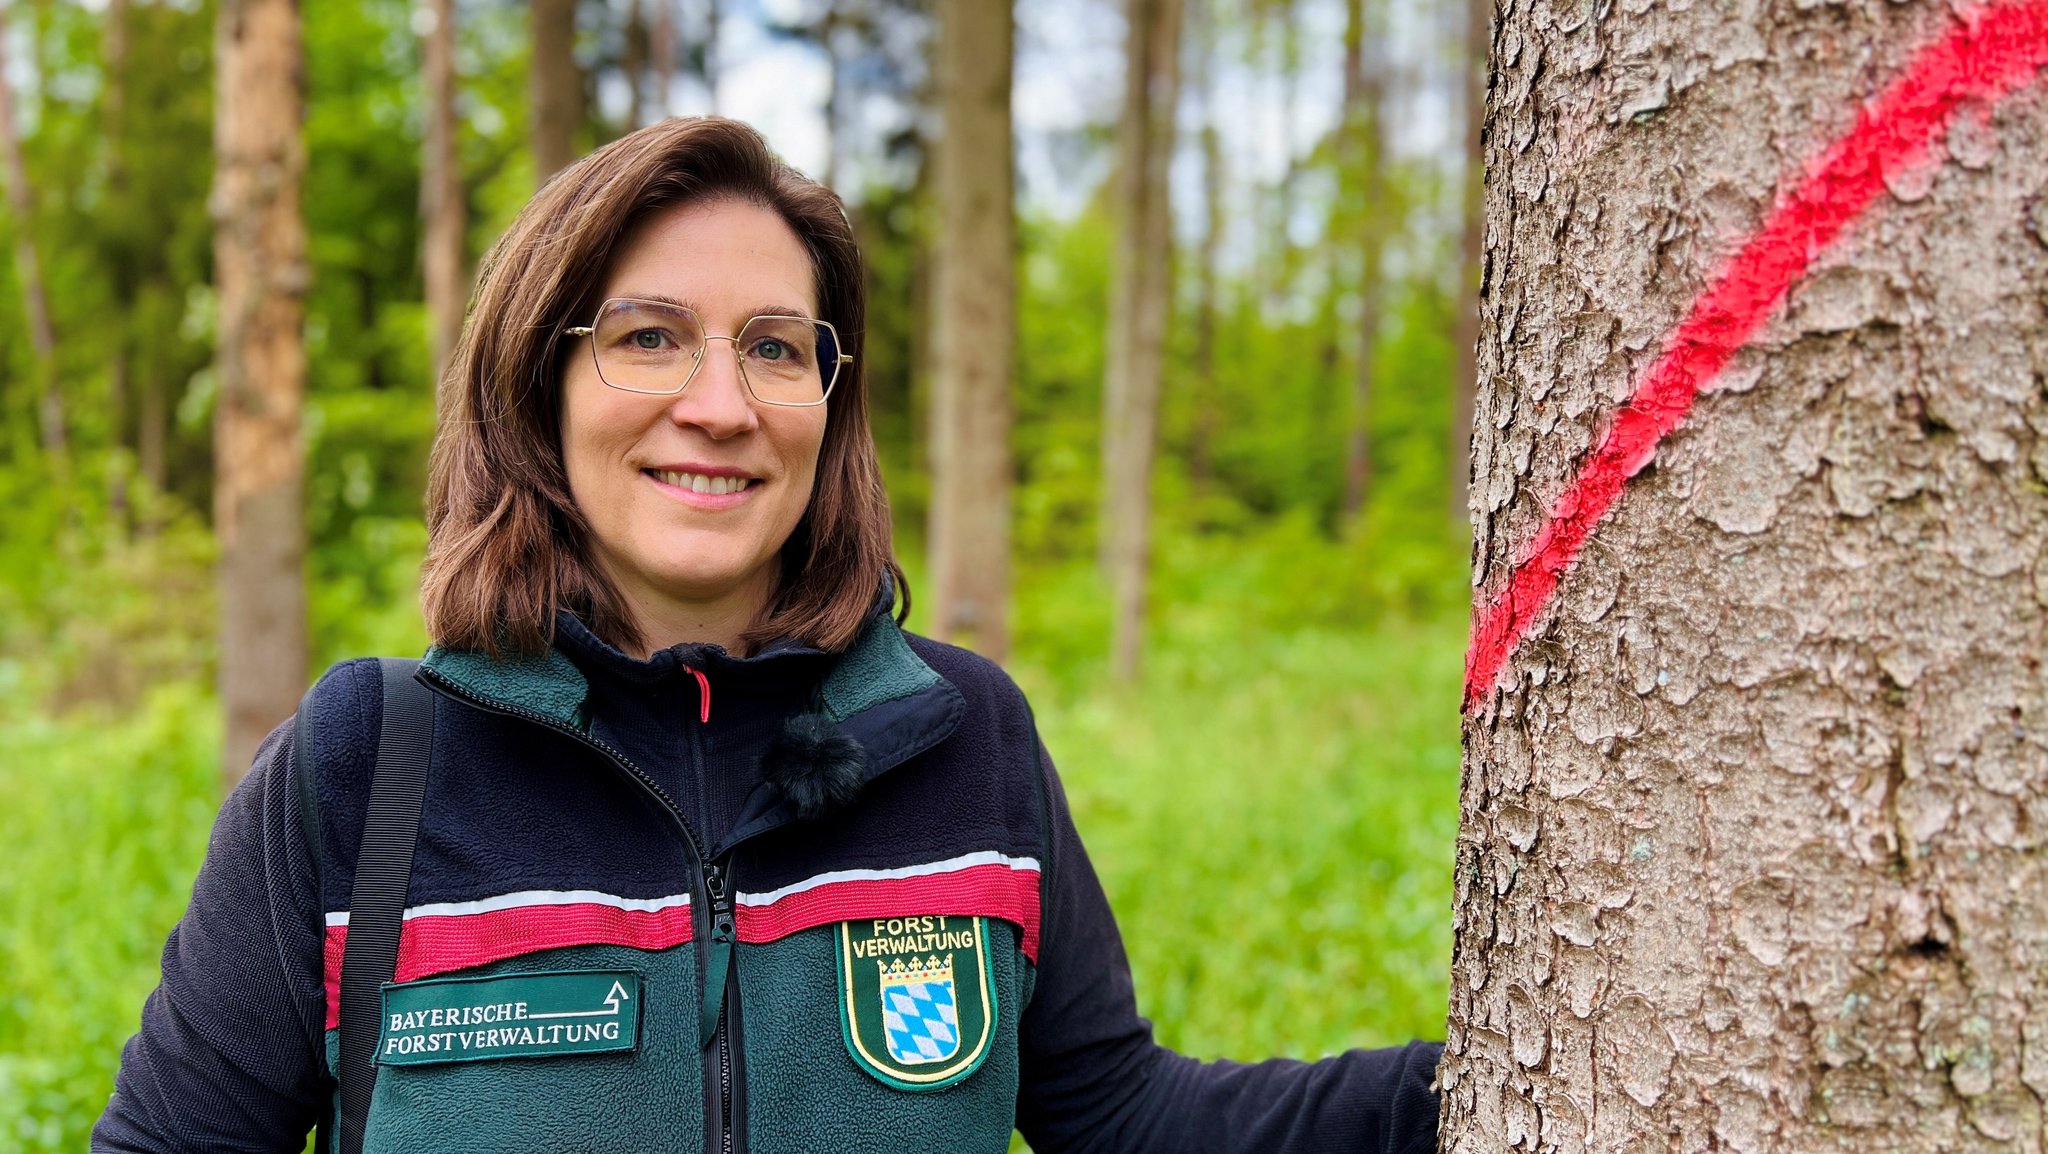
(1095, 1082)
(229, 1054)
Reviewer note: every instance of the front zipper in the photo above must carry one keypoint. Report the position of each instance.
(724, 1086)
(718, 899)
(719, 957)
(712, 1021)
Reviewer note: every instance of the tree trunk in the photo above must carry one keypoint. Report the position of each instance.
(1471, 234)
(557, 87)
(1287, 257)
(260, 278)
(633, 62)
(661, 45)
(1363, 92)
(152, 417)
(1140, 300)
(1753, 819)
(974, 327)
(1202, 435)
(42, 336)
(444, 212)
(835, 90)
(712, 18)
(120, 262)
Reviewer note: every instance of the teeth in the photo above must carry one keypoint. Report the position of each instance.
(699, 483)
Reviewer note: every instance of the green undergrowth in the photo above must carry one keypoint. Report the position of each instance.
(1271, 810)
(1273, 820)
(103, 821)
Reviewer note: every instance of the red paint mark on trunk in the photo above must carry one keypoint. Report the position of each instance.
(1996, 50)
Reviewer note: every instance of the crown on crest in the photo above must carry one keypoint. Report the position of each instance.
(932, 969)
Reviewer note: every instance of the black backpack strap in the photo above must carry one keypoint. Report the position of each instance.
(391, 825)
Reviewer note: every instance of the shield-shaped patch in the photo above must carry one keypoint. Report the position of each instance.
(915, 1000)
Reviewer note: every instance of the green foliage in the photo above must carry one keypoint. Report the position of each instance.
(1290, 755)
(91, 612)
(1062, 298)
(105, 820)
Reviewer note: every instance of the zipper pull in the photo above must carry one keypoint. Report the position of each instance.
(703, 694)
(719, 960)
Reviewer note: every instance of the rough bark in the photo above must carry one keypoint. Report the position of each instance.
(1140, 301)
(974, 330)
(1363, 91)
(556, 86)
(444, 214)
(1478, 18)
(260, 278)
(1752, 836)
(42, 336)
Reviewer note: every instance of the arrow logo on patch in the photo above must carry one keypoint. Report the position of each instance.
(612, 999)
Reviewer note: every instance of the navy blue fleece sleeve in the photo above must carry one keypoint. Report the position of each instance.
(229, 1056)
(1095, 1082)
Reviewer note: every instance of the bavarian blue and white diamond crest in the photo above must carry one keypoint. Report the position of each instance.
(920, 1020)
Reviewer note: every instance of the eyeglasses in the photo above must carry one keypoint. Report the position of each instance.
(645, 346)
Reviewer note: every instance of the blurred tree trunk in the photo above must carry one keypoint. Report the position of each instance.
(260, 277)
(1754, 839)
(1364, 90)
(1141, 290)
(121, 265)
(444, 214)
(1471, 236)
(633, 62)
(152, 418)
(1202, 434)
(557, 87)
(712, 17)
(835, 89)
(661, 46)
(42, 336)
(1288, 257)
(973, 328)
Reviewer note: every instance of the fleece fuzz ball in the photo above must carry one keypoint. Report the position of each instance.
(815, 766)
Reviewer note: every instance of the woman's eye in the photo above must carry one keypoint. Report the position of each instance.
(647, 339)
(771, 350)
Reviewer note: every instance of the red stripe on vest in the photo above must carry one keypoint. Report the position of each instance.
(437, 944)
(996, 891)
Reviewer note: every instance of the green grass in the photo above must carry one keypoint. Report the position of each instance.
(1273, 823)
(1271, 811)
(103, 823)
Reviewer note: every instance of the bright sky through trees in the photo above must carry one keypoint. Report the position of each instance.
(1068, 82)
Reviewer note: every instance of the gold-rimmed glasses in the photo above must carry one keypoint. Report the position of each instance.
(644, 346)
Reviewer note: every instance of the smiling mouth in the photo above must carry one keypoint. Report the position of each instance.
(713, 486)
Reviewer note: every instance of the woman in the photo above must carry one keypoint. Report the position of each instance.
(711, 851)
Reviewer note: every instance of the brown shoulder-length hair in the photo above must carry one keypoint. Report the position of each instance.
(506, 545)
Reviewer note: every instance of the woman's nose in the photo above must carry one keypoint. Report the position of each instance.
(716, 399)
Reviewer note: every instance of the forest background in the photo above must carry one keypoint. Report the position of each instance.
(1286, 749)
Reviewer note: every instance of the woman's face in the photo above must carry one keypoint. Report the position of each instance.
(636, 461)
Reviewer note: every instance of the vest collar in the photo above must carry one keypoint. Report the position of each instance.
(878, 692)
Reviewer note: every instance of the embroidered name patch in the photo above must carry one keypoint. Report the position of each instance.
(514, 1016)
(915, 1000)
